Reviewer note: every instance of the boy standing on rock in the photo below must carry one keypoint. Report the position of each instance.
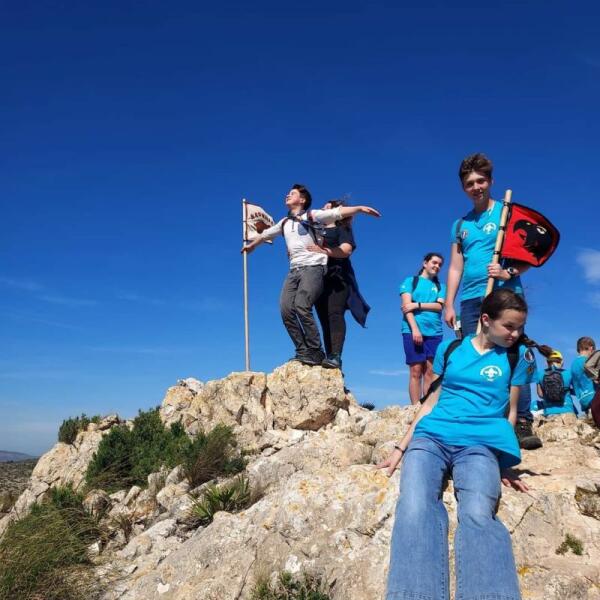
(303, 285)
(473, 240)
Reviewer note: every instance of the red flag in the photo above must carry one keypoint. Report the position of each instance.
(530, 237)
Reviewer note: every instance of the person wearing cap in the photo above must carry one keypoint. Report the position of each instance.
(565, 404)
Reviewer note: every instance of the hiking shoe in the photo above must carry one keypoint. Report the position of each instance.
(332, 362)
(527, 439)
(312, 359)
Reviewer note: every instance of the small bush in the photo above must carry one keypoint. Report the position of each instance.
(44, 554)
(230, 497)
(210, 455)
(571, 543)
(126, 457)
(70, 427)
(288, 587)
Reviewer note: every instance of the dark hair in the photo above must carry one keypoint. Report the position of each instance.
(505, 299)
(304, 193)
(585, 342)
(478, 163)
(427, 258)
(347, 222)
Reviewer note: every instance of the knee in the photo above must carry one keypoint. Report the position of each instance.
(303, 303)
(286, 309)
(416, 371)
(477, 510)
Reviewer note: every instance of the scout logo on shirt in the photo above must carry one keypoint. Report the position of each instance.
(490, 228)
(491, 372)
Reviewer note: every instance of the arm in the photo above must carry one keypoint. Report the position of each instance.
(341, 212)
(455, 273)
(497, 272)
(410, 318)
(342, 251)
(393, 460)
(432, 306)
(268, 234)
(512, 404)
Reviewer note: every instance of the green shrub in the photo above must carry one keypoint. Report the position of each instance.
(126, 457)
(230, 497)
(288, 587)
(570, 543)
(210, 455)
(44, 554)
(70, 427)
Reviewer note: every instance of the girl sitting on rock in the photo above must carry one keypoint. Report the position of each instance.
(462, 430)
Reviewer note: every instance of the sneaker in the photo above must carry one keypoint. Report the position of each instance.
(527, 439)
(332, 362)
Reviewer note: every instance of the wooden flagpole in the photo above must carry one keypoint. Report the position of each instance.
(245, 259)
(499, 242)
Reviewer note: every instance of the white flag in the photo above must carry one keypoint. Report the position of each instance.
(257, 220)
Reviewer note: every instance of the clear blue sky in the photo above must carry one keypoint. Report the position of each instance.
(131, 130)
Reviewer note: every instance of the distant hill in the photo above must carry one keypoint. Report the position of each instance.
(13, 456)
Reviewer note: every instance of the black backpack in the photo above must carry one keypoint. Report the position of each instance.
(553, 388)
(415, 283)
(512, 354)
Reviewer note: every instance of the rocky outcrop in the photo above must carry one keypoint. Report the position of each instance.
(323, 507)
(292, 397)
(62, 465)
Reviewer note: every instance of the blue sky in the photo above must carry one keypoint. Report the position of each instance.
(130, 132)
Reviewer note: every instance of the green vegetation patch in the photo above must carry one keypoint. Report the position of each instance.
(290, 587)
(126, 457)
(44, 555)
(571, 543)
(70, 427)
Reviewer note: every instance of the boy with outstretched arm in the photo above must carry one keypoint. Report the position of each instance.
(304, 282)
(473, 240)
(582, 384)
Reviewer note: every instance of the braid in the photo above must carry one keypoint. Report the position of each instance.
(529, 343)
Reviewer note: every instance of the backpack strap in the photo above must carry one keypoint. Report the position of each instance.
(452, 346)
(311, 225)
(457, 235)
(415, 283)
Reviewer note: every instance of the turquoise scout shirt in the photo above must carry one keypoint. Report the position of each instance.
(473, 403)
(478, 238)
(568, 406)
(582, 384)
(429, 321)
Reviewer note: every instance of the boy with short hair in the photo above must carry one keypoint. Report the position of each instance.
(583, 386)
(304, 282)
(473, 240)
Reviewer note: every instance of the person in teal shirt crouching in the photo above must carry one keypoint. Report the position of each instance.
(554, 387)
(422, 302)
(582, 385)
(464, 428)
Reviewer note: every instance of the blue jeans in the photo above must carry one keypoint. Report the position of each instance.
(469, 317)
(485, 567)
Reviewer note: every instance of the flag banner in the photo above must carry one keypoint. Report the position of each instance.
(257, 220)
(530, 237)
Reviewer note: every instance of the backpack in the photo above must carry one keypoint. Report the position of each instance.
(415, 283)
(512, 354)
(315, 229)
(591, 367)
(553, 387)
(595, 408)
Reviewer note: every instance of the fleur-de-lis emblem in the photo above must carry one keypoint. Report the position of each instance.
(491, 372)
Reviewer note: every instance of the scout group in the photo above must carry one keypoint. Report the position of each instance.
(474, 392)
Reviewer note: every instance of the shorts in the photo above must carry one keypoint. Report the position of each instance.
(419, 354)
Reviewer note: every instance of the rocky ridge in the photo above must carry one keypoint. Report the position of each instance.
(324, 507)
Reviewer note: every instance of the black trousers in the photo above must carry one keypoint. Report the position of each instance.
(331, 307)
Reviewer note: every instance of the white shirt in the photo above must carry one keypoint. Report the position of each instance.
(298, 237)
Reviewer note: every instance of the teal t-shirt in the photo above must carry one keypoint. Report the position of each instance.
(473, 402)
(477, 234)
(568, 406)
(429, 321)
(582, 384)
